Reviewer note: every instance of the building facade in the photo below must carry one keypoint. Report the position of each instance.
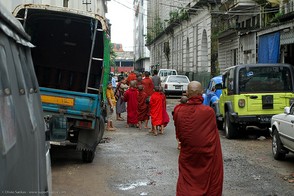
(96, 6)
(141, 52)
(262, 35)
(181, 36)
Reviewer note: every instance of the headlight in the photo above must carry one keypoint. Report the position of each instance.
(241, 103)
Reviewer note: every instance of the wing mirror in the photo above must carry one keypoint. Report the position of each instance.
(218, 86)
(287, 110)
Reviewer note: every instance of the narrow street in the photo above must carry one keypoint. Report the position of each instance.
(130, 161)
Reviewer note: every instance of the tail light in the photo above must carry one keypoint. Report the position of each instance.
(241, 103)
(84, 124)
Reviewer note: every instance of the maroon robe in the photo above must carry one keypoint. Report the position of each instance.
(200, 161)
(131, 97)
(156, 106)
(143, 107)
(165, 117)
(148, 85)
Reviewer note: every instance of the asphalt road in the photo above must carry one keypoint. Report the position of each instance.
(130, 162)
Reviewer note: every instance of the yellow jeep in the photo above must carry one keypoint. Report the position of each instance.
(252, 94)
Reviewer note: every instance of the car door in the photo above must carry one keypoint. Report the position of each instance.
(287, 129)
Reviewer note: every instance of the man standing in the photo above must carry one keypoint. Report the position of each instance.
(143, 108)
(131, 97)
(200, 160)
(156, 78)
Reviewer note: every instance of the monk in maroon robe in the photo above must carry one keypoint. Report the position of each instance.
(148, 84)
(165, 117)
(131, 97)
(143, 107)
(200, 160)
(156, 109)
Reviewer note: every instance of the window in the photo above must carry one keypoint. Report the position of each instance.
(265, 79)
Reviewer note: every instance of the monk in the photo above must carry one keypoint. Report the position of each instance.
(143, 107)
(148, 84)
(156, 110)
(200, 160)
(131, 97)
(131, 76)
(165, 117)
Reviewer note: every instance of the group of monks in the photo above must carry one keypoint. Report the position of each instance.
(145, 100)
(200, 161)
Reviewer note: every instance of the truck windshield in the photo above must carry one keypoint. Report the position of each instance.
(265, 79)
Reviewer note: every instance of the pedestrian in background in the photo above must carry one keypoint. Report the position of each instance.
(110, 107)
(156, 79)
(165, 117)
(156, 106)
(131, 98)
(119, 93)
(148, 84)
(143, 108)
(113, 81)
(200, 160)
(132, 76)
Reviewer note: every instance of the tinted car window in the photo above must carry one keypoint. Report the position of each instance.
(265, 79)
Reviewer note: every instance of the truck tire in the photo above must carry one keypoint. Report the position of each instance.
(277, 147)
(88, 156)
(230, 128)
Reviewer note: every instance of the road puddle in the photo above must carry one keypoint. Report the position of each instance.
(131, 186)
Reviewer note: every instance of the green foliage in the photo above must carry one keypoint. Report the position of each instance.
(112, 55)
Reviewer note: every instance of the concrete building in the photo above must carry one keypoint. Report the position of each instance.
(96, 6)
(181, 36)
(141, 52)
(254, 32)
(124, 61)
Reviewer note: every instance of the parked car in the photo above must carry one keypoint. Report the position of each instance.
(175, 84)
(213, 91)
(163, 73)
(282, 133)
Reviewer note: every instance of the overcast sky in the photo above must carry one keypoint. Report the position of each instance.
(121, 14)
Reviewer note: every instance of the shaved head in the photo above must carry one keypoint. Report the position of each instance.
(133, 83)
(194, 89)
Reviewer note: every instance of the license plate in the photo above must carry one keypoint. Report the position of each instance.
(57, 100)
(178, 86)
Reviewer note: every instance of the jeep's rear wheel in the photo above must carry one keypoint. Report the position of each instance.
(277, 147)
(230, 128)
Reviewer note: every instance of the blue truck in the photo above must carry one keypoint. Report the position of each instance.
(71, 62)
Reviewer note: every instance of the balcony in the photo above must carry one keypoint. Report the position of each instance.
(237, 5)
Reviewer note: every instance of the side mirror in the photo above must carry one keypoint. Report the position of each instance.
(287, 110)
(218, 86)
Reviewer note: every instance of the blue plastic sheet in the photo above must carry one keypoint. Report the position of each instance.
(269, 48)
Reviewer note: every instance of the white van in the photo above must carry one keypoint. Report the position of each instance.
(162, 73)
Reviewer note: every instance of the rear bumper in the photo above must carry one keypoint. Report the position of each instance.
(174, 92)
(254, 120)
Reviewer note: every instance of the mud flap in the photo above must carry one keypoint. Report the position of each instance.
(89, 139)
